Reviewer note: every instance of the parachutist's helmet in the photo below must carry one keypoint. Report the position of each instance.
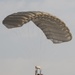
(37, 67)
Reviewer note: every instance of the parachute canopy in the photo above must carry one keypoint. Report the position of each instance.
(53, 28)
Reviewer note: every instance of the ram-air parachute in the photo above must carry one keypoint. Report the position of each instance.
(53, 28)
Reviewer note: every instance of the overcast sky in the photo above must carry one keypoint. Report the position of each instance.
(23, 48)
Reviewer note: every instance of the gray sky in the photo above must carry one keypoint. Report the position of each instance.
(23, 48)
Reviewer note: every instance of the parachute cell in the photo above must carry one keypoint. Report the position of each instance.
(53, 28)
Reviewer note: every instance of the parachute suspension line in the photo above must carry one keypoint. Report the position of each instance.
(40, 47)
(17, 34)
(29, 36)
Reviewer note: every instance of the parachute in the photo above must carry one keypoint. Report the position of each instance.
(53, 28)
